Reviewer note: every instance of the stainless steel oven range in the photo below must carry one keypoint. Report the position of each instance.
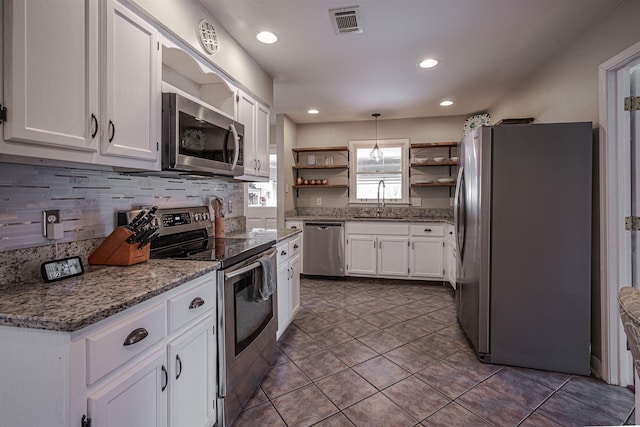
(246, 325)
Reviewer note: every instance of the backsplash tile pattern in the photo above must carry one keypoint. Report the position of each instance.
(88, 202)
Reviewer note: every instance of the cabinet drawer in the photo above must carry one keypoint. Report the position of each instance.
(283, 253)
(187, 306)
(295, 246)
(377, 228)
(427, 229)
(117, 344)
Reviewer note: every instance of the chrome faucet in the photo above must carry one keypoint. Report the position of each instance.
(378, 206)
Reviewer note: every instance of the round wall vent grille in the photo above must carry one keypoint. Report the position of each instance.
(208, 37)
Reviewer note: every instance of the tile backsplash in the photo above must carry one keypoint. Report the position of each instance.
(88, 200)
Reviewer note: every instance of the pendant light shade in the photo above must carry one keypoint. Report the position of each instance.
(376, 153)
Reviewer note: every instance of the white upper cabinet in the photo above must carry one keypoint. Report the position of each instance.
(255, 118)
(82, 83)
(131, 86)
(51, 58)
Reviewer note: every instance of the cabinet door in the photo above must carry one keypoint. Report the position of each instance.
(393, 253)
(361, 254)
(246, 116)
(261, 151)
(294, 285)
(427, 258)
(284, 298)
(51, 81)
(131, 91)
(138, 397)
(192, 370)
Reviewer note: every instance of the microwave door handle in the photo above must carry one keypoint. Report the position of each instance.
(236, 140)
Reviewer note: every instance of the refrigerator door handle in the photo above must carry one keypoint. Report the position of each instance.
(458, 212)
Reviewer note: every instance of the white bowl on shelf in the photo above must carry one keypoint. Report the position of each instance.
(438, 159)
(422, 159)
(424, 181)
(446, 180)
(455, 159)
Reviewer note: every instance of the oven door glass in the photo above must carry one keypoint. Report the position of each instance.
(252, 314)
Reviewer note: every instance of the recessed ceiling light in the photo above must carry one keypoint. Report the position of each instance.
(313, 111)
(428, 63)
(267, 37)
(446, 103)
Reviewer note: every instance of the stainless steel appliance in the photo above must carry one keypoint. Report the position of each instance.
(197, 140)
(523, 222)
(247, 324)
(323, 249)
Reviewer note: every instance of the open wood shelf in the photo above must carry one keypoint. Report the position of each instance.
(321, 167)
(316, 149)
(433, 144)
(434, 184)
(432, 163)
(321, 186)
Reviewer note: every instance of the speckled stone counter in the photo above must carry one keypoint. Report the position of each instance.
(71, 304)
(266, 234)
(366, 218)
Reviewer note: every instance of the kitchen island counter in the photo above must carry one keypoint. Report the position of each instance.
(102, 291)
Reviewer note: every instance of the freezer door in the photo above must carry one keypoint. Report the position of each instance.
(471, 297)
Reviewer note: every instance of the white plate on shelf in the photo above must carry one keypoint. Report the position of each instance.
(446, 180)
(438, 159)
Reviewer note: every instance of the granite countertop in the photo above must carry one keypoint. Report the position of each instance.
(367, 218)
(266, 234)
(71, 304)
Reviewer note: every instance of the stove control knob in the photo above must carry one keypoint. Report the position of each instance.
(196, 217)
(205, 216)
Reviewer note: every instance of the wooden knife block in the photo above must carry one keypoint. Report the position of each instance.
(115, 250)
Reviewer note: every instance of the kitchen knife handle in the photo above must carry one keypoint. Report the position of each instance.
(135, 336)
(197, 302)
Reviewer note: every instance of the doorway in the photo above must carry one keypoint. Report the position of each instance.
(619, 199)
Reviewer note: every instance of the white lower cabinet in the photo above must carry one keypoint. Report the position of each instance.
(151, 365)
(136, 398)
(395, 250)
(288, 278)
(192, 364)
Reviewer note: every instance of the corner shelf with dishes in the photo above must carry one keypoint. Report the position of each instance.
(325, 167)
(426, 157)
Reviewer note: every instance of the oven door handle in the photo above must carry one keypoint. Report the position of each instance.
(242, 270)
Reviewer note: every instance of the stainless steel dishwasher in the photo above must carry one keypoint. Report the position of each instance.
(323, 248)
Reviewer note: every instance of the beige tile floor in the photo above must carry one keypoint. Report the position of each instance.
(382, 353)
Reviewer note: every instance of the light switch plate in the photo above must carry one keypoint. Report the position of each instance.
(416, 201)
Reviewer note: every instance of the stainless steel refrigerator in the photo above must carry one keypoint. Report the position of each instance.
(523, 222)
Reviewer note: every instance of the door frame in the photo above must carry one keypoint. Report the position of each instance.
(615, 365)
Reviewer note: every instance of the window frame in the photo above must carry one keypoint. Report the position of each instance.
(354, 145)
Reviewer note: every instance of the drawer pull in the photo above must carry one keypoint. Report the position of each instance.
(197, 302)
(178, 366)
(283, 253)
(296, 246)
(428, 230)
(136, 336)
(165, 374)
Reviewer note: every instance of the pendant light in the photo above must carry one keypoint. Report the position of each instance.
(376, 153)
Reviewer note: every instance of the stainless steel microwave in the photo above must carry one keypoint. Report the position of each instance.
(198, 140)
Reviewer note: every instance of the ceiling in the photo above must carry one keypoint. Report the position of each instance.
(485, 48)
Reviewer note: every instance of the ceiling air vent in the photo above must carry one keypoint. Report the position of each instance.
(346, 20)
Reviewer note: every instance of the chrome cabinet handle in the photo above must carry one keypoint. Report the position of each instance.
(165, 374)
(178, 366)
(135, 336)
(94, 119)
(197, 302)
(113, 130)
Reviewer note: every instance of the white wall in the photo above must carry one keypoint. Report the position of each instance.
(181, 19)
(426, 129)
(566, 87)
